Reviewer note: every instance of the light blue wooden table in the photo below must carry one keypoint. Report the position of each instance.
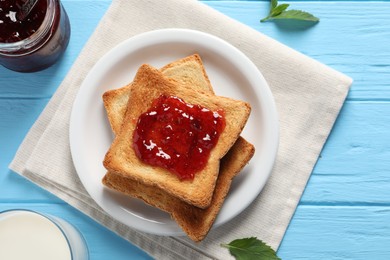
(345, 210)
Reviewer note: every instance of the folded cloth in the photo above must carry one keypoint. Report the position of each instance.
(308, 95)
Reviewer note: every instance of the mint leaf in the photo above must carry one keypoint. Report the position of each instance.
(297, 15)
(279, 11)
(274, 3)
(251, 248)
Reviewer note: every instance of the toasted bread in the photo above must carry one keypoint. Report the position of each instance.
(188, 71)
(149, 84)
(195, 222)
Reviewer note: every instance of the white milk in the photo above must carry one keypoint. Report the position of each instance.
(28, 235)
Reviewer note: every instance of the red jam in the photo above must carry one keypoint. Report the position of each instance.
(36, 41)
(177, 136)
(12, 28)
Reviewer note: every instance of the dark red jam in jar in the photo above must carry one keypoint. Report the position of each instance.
(177, 136)
(36, 41)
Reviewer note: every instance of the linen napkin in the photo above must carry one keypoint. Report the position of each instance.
(308, 95)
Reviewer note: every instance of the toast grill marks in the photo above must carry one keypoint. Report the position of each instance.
(149, 84)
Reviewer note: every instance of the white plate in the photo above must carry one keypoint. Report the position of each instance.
(231, 73)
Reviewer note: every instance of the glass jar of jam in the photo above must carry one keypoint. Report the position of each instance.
(36, 41)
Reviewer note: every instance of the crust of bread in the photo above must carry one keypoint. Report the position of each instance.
(188, 71)
(149, 84)
(194, 221)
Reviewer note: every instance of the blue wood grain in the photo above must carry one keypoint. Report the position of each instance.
(345, 210)
(352, 38)
(338, 232)
(354, 164)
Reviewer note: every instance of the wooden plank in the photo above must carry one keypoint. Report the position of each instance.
(338, 232)
(17, 115)
(344, 49)
(354, 164)
(351, 38)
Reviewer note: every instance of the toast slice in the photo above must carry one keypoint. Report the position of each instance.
(194, 221)
(148, 85)
(188, 71)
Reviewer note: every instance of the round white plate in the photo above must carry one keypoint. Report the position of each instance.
(231, 74)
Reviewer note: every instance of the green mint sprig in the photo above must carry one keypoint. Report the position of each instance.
(251, 248)
(279, 12)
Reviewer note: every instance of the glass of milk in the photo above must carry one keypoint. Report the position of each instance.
(26, 234)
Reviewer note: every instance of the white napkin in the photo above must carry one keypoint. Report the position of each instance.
(308, 95)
